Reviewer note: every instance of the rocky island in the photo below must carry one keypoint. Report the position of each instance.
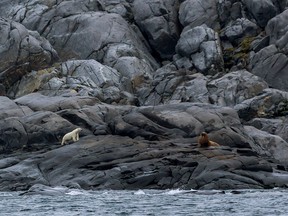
(143, 79)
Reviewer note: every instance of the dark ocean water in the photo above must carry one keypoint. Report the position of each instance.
(147, 202)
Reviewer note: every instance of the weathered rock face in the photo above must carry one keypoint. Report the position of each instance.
(277, 31)
(277, 146)
(143, 79)
(269, 64)
(134, 164)
(197, 12)
(202, 45)
(240, 29)
(182, 86)
(21, 51)
(262, 11)
(158, 20)
(82, 36)
(145, 147)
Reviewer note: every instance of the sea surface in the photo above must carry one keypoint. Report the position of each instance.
(147, 202)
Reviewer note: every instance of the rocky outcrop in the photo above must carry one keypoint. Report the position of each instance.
(158, 20)
(202, 45)
(117, 162)
(262, 11)
(22, 51)
(143, 79)
(197, 12)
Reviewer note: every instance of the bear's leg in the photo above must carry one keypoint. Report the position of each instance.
(63, 141)
(74, 138)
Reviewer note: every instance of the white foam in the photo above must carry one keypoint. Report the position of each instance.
(139, 192)
(74, 193)
(178, 191)
(173, 192)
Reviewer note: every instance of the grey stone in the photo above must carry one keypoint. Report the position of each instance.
(158, 20)
(21, 51)
(267, 144)
(202, 45)
(235, 87)
(270, 64)
(277, 27)
(239, 29)
(197, 12)
(262, 10)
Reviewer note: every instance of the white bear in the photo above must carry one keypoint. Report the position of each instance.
(73, 135)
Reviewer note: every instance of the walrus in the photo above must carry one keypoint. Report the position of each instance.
(204, 141)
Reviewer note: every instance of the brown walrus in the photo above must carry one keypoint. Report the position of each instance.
(204, 141)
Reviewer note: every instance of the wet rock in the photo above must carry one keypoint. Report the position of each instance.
(39, 189)
(106, 163)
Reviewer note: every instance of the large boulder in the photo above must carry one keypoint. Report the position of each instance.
(22, 51)
(39, 102)
(32, 82)
(235, 87)
(175, 86)
(38, 14)
(86, 77)
(13, 135)
(275, 126)
(268, 145)
(83, 36)
(229, 11)
(261, 10)
(198, 12)
(9, 108)
(44, 128)
(270, 64)
(159, 22)
(239, 29)
(278, 31)
(202, 45)
(270, 103)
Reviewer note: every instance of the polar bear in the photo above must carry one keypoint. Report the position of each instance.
(73, 135)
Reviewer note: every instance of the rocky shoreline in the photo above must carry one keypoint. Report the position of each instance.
(143, 79)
